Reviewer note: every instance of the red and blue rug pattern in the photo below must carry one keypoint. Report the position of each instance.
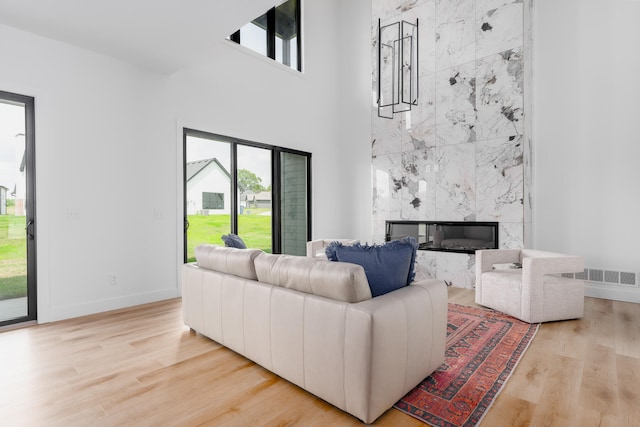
(483, 348)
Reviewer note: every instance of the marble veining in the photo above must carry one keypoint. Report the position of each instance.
(455, 105)
(499, 100)
(527, 174)
(385, 134)
(456, 183)
(499, 175)
(425, 265)
(418, 130)
(385, 9)
(379, 230)
(499, 26)
(418, 190)
(424, 11)
(510, 235)
(458, 269)
(455, 36)
(388, 182)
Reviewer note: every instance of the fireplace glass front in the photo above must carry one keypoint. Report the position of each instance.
(447, 236)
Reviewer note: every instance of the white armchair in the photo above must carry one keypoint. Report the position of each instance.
(315, 248)
(534, 293)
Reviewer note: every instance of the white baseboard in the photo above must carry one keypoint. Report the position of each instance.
(99, 306)
(612, 292)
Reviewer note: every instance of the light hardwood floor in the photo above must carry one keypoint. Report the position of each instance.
(142, 366)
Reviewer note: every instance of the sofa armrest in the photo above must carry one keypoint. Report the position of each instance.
(551, 262)
(315, 248)
(486, 259)
(395, 340)
(535, 264)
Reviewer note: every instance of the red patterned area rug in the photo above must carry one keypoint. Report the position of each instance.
(483, 348)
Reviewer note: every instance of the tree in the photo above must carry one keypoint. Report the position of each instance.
(249, 181)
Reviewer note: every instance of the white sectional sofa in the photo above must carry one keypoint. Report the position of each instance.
(313, 322)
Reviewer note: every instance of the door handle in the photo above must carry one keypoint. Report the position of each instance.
(29, 229)
(186, 224)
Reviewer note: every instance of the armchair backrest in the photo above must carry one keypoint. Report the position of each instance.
(315, 248)
(535, 264)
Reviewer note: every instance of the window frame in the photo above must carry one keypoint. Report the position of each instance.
(271, 34)
(276, 185)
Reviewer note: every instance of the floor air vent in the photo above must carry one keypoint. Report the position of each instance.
(605, 276)
(595, 275)
(628, 278)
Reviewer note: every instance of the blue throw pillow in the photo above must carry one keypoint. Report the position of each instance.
(388, 267)
(233, 241)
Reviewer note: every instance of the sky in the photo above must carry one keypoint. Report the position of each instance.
(256, 160)
(11, 123)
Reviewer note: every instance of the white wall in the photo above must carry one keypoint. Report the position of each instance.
(355, 117)
(586, 173)
(108, 143)
(245, 95)
(103, 146)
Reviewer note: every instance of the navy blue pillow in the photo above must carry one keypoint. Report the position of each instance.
(388, 267)
(233, 241)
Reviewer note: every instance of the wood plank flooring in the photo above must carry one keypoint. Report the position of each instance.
(142, 366)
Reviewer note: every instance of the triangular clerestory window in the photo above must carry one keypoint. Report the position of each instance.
(276, 34)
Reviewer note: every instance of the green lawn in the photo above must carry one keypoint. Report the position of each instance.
(13, 256)
(253, 228)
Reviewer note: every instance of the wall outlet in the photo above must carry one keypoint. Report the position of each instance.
(73, 214)
(113, 280)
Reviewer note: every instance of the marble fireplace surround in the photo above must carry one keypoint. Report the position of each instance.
(464, 153)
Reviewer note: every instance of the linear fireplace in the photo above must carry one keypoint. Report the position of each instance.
(446, 236)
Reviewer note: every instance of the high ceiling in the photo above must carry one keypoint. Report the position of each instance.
(160, 35)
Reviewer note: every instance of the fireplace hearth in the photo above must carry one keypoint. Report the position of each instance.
(446, 236)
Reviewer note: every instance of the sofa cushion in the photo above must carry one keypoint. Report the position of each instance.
(388, 267)
(342, 282)
(234, 261)
(233, 241)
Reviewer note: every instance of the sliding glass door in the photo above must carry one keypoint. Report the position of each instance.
(17, 210)
(258, 191)
(254, 197)
(294, 203)
(207, 183)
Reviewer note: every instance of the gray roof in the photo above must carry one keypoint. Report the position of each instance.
(195, 167)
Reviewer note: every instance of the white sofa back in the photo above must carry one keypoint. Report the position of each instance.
(361, 357)
(340, 281)
(239, 262)
(336, 280)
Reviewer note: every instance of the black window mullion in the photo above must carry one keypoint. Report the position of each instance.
(308, 198)
(299, 35)
(276, 221)
(271, 33)
(234, 188)
(185, 220)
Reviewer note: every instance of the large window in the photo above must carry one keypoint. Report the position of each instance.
(276, 34)
(258, 191)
